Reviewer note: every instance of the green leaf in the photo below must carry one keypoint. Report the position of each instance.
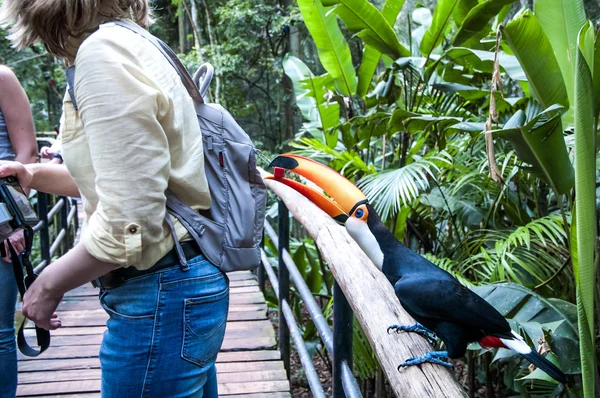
(484, 61)
(333, 49)
(585, 201)
(440, 26)
(360, 15)
(478, 18)
(531, 46)
(561, 21)
(371, 56)
(542, 145)
(310, 94)
(462, 9)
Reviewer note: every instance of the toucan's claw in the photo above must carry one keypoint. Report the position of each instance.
(431, 357)
(416, 328)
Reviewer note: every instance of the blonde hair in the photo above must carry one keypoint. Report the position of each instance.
(54, 22)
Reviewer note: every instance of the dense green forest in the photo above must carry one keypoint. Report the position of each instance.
(460, 120)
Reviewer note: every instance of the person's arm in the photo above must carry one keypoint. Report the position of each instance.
(45, 177)
(17, 114)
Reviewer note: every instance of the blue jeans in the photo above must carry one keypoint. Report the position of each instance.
(164, 332)
(8, 347)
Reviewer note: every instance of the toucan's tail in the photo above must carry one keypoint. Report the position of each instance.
(519, 345)
(551, 369)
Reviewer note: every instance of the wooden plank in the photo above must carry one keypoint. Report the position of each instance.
(246, 298)
(254, 387)
(64, 375)
(245, 282)
(263, 375)
(259, 343)
(249, 325)
(58, 387)
(94, 374)
(252, 339)
(373, 300)
(55, 365)
(82, 386)
(249, 356)
(65, 352)
(69, 331)
(240, 275)
(245, 289)
(235, 367)
(99, 317)
(91, 351)
(48, 365)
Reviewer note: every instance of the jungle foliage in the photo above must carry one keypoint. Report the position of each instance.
(460, 119)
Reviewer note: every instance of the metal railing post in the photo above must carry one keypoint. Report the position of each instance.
(74, 203)
(260, 272)
(64, 224)
(342, 339)
(44, 234)
(284, 284)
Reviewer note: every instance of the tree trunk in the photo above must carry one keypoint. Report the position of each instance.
(292, 46)
(213, 42)
(181, 26)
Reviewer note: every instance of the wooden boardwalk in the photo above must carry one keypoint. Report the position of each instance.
(248, 365)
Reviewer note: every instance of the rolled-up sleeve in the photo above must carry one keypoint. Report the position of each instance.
(120, 106)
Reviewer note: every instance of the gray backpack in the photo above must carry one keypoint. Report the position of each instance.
(230, 232)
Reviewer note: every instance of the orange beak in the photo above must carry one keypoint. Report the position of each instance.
(344, 195)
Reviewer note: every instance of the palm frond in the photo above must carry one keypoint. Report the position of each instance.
(393, 189)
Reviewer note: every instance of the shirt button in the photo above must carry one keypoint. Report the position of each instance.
(133, 229)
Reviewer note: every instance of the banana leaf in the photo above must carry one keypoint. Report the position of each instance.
(310, 94)
(541, 144)
(371, 56)
(585, 203)
(440, 25)
(332, 47)
(484, 61)
(561, 21)
(462, 9)
(538, 318)
(360, 16)
(531, 46)
(478, 18)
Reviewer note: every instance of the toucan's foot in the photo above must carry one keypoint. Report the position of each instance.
(416, 328)
(431, 357)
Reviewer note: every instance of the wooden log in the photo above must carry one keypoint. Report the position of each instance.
(374, 302)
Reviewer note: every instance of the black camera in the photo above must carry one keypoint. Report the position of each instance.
(16, 213)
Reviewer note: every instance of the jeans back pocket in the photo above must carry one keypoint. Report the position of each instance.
(205, 319)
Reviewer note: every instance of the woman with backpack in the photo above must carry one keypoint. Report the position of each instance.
(129, 131)
(17, 142)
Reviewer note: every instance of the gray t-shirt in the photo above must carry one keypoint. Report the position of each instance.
(6, 149)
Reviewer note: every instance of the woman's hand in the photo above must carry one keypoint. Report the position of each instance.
(8, 168)
(39, 305)
(17, 240)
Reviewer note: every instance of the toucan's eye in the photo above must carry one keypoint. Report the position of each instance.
(359, 213)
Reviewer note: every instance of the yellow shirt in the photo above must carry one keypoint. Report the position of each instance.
(135, 135)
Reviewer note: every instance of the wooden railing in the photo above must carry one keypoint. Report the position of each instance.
(359, 287)
(63, 215)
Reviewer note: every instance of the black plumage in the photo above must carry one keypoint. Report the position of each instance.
(434, 297)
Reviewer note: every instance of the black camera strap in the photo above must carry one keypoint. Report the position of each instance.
(20, 261)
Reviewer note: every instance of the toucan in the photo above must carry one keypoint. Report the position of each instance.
(435, 299)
